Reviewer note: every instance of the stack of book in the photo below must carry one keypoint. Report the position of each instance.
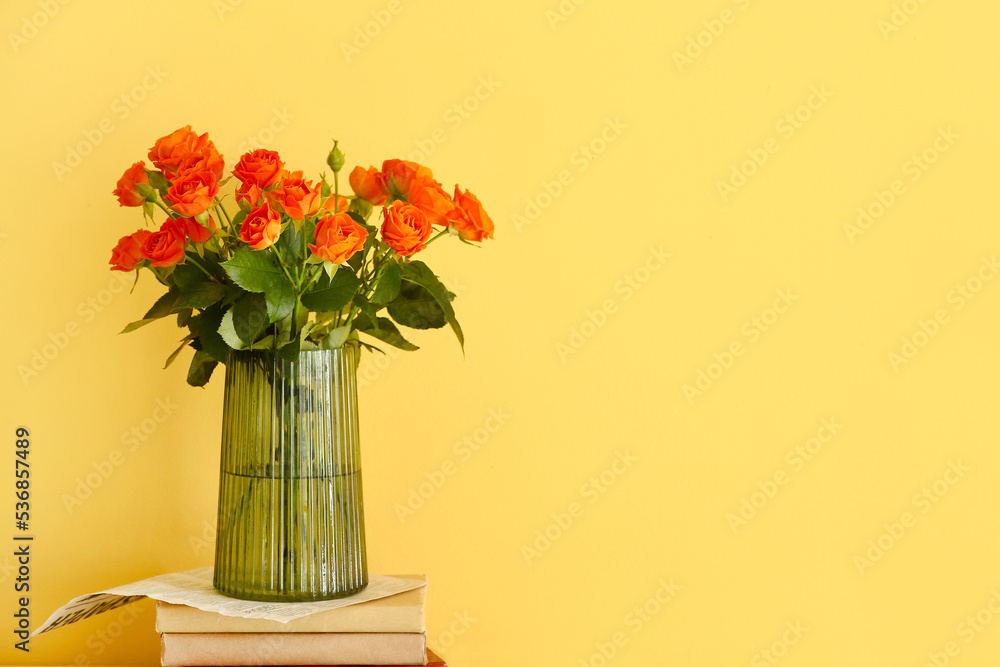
(387, 631)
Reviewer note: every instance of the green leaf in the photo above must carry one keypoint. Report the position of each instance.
(332, 294)
(290, 350)
(164, 305)
(200, 295)
(289, 245)
(233, 292)
(367, 310)
(201, 369)
(132, 326)
(388, 333)
(358, 259)
(363, 321)
(209, 336)
(253, 270)
(228, 332)
(372, 348)
(173, 355)
(416, 307)
(186, 275)
(335, 338)
(387, 287)
(250, 317)
(194, 324)
(157, 180)
(280, 301)
(265, 343)
(360, 210)
(184, 317)
(238, 219)
(419, 273)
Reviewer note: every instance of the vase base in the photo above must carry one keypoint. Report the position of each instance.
(299, 596)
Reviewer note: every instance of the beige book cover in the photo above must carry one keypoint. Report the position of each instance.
(304, 648)
(403, 612)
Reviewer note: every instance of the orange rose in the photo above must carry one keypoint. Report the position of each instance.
(261, 167)
(194, 230)
(405, 228)
(337, 238)
(399, 175)
(193, 193)
(209, 161)
(165, 247)
(127, 193)
(249, 193)
(296, 196)
(183, 151)
(415, 184)
(128, 252)
(428, 195)
(168, 152)
(261, 227)
(469, 217)
(369, 184)
(343, 204)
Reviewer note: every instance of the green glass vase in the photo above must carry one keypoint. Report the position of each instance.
(291, 520)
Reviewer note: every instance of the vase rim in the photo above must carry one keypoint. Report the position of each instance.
(272, 352)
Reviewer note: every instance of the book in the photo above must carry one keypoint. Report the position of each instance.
(433, 660)
(303, 648)
(403, 612)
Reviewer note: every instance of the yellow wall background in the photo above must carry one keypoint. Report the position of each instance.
(811, 499)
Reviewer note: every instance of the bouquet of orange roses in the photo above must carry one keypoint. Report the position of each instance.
(295, 266)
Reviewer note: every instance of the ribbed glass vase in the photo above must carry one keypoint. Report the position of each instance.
(291, 521)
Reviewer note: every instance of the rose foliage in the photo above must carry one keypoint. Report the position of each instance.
(292, 265)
